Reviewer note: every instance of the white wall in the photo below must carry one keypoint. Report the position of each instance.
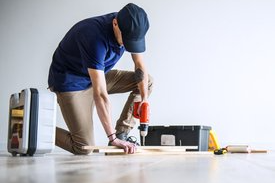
(213, 61)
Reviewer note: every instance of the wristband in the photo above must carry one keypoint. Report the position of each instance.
(112, 140)
(111, 135)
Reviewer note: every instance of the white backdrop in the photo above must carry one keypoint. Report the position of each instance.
(213, 62)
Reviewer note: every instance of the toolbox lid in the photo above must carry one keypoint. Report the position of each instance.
(180, 127)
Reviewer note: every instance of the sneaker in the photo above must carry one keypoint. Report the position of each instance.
(133, 140)
(124, 136)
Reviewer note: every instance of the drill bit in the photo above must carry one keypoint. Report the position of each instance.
(143, 140)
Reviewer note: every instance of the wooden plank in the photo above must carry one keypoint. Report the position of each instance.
(243, 149)
(143, 148)
(146, 150)
(258, 151)
(165, 153)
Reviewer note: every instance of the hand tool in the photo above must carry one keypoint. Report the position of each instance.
(141, 112)
(220, 151)
(237, 149)
(213, 143)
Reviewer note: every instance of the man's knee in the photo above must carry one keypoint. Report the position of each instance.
(80, 151)
(150, 82)
(139, 75)
(78, 147)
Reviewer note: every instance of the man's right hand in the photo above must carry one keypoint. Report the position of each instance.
(129, 148)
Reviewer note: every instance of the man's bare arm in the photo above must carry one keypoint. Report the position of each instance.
(103, 107)
(101, 99)
(141, 76)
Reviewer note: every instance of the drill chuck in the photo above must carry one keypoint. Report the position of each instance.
(143, 128)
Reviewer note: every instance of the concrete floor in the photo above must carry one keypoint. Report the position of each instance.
(98, 168)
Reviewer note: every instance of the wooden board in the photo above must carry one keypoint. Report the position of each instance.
(258, 151)
(163, 153)
(155, 150)
(243, 149)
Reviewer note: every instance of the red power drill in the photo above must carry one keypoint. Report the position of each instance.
(143, 117)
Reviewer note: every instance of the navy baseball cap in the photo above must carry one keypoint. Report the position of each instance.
(133, 24)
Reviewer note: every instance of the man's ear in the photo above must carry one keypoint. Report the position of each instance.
(115, 22)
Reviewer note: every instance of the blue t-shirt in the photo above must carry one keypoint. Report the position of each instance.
(91, 44)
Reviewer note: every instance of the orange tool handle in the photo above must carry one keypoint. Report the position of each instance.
(143, 116)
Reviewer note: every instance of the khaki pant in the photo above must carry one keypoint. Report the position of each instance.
(77, 110)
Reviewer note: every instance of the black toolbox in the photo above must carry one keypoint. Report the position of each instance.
(178, 136)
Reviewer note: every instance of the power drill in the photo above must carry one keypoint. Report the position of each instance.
(143, 117)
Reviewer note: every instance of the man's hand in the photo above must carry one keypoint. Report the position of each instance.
(139, 107)
(129, 148)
